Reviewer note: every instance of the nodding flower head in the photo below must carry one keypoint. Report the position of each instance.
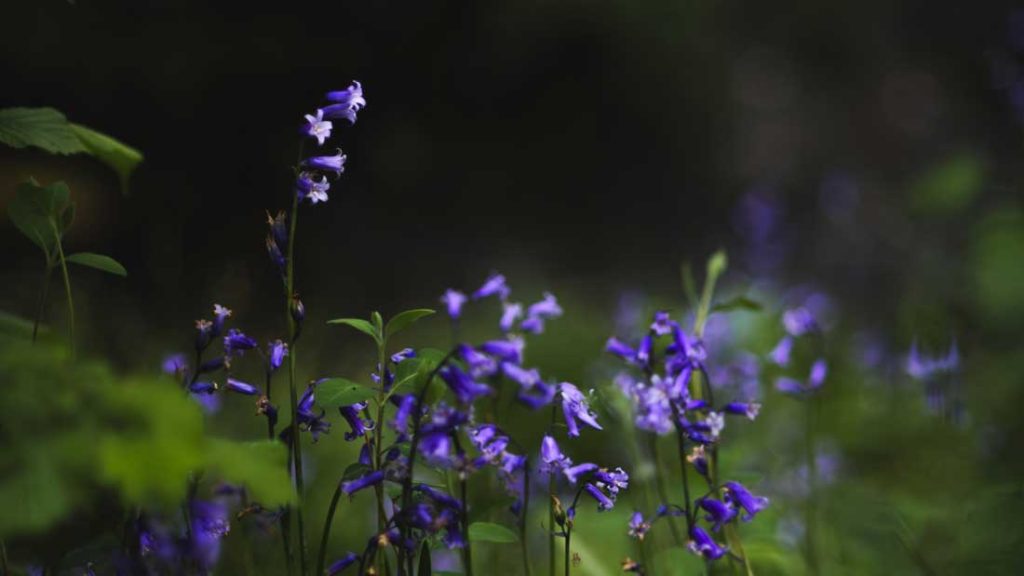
(575, 406)
(402, 355)
(783, 350)
(334, 163)
(495, 285)
(241, 387)
(453, 300)
(204, 332)
(552, 459)
(340, 564)
(236, 342)
(509, 350)
(719, 513)
(276, 352)
(316, 127)
(511, 312)
(748, 409)
(662, 323)
(347, 102)
(373, 478)
(278, 228)
(313, 187)
(738, 495)
(462, 385)
(538, 312)
(703, 544)
(819, 371)
(638, 527)
(603, 501)
(355, 422)
(220, 315)
(799, 321)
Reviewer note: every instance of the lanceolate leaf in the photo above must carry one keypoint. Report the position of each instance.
(99, 262)
(404, 319)
(737, 303)
(490, 532)
(361, 325)
(425, 568)
(335, 392)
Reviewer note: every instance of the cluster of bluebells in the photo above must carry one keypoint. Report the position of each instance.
(799, 323)
(666, 398)
(601, 484)
(312, 182)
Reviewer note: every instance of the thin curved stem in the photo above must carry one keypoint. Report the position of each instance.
(67, 291)
(292, 390)
(327, 530)
(43, 292)
(523, 544)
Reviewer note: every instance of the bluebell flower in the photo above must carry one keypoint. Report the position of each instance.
(921, 367)
(438, 496)
(799, 321)
(480, 365)
(575, 406)
(276, 352)
(370, 479)
(613, 481)
(204, 332)
(512, 311)
(510, 350)
(643, 352)
(719, 513)
(347, 102)
(748, 409)
(236, 342)
(453, 300)
(213, 364)
(200, 387)
(241, 387)
(210, 523)
(538, 395)
(334, 163)
(703, 544)
(638, 527)
(355, 422)
(275, 254)
(309, 419)
(495, 285)
(313, 187)
(781, 353)
(403, 355)
(175, 365)
(462, 385)
(603, 502)
(552, 459)
(620, 349)
(340, 564)
(278, 228)
(318, 128)
(538, 312)
(573, 473)
(699, 460)
(265, 408)
(738, 495)
(405, 408)
(819, 371)
(525, 378)
(220, 315)
(662, 323)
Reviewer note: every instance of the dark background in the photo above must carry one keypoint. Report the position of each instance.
(586, 146)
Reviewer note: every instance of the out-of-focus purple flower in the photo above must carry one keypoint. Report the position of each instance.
(220, 315)
(819, 371)
(539, 395)
(405, 408)
(462, 385)
(575, 406)
(213, 364)
(438, 496)
(780, 355)
(552, 459)
(236, 342)
(454, 301)
(480, 365)
(719, 512)
(275, 254)
(276, 351)
(638, 527)
(538, 312)
(175, 364)
(241, 387)
(603, 502)
(748, 409)
(313, 187)
(495, 285)
(738, 495)
(347, 102)
(355, 422)
(340, 564)
(643, 353)
(204, 332)
(334, 163)
(662, 323)
(573, 473)
(703, 544)
(510, 350)
(278, 229)
(620, 349)
(799, 321)
(512, 312)
(351, 487)
(210, 523)
(516, 373)
(921, 367)
(318, 128)
(403, 355)
(716, 423)
(201, 387)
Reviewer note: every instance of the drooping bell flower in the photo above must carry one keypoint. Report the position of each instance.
(638, 527)
(276, 352)
(236, 342)
(719, 513)
(370, 479)
(453, 300)
(575, 406)
(355, 422)
(313, 187)
(317, 127)
(220, 315)
(494, 285)
(737, 494)
(703, 544)
(334, 163)
(511, 312)
(748, 409)
(346, 103)
(462, 385)
(340, 564)
(240, 387)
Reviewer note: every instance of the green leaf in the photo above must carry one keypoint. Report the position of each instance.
(35, 210)
(737, 303)
(44, 128)
(490, 532)
(378, 322)
(950, 186)
(361, 325)
(123, 159)
(335, 392)
(16, 326)
(716, 266)
(99, 262)
(404, 319)
(260, 466)
(425, 568)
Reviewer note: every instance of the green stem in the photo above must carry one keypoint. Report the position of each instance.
(3, 558)
(378, 456)
(327, 530)
(43, 291)
(551, 504)
(659, 482)
(523, 544)
(568, 549)
(67, 290)
(810, 528)
(293, 392)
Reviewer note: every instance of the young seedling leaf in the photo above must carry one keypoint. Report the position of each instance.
(336, 392)
(490, 532)
(404, 319)
(35, 210)
(120, 157)
(43, 128)
(361, 325)
(99, 262)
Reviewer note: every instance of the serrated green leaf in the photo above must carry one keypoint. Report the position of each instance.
(336, 392)
(737, 303)
(361, 325)
(402, 320)
(260, 466)
(43, 128)
(123, 159)
(99, 262)
(491, 532)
